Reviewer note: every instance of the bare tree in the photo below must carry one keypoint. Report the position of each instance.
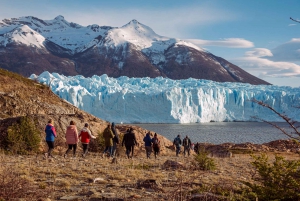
(295, 134)
(295, 20)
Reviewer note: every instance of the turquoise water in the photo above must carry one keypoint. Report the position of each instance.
(220, 132)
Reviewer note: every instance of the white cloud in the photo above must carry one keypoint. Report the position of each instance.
(259, 52)
(253, 62)
(292, 25)
(287, 52)
(226, 42)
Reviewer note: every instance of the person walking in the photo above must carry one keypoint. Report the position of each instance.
(50, 137)
(177, 143)
(148, 144)
(85, 136)
(186, 142)
(116, 139)
(108, 140)
(156, 145)
(71, 138)
(197, 148)
(130, 141)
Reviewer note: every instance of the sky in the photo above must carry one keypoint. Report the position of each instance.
(256, 35)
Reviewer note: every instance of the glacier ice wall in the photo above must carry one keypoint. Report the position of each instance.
(162, 100)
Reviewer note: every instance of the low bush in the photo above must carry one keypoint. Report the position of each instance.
(23, 137)
(203, 161)
(279, 180)
(97, 145)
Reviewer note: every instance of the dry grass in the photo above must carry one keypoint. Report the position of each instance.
(75, 176)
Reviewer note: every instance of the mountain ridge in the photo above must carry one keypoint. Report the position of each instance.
(133, 50)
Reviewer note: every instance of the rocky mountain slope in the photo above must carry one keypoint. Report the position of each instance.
(31, 45)
(20, 96)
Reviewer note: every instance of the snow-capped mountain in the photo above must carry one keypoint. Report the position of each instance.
(163, 100)
(31, 45)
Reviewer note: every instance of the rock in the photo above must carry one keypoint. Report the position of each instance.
(74, 197)
(221, 154)
(98, 180)
(113, 185)
(136, 196)
(172, 164)
(75, 189)
(151, 185)
(148, 183)
(108, 194)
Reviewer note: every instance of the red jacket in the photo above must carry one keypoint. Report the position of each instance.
(85, 135)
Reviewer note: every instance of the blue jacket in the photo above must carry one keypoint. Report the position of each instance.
(50, 133)
(177, 142)
(147, 140)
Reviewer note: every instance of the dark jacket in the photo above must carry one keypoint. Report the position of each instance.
(114, 130)
(186, 142)
(129, 139)
(147, 139)
(177, 141)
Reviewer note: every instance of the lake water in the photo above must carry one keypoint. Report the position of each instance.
(220, 132)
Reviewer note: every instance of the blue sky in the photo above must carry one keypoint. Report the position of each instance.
(256, 35)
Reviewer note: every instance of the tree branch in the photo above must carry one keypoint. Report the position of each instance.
(295, 20)
(284, 117)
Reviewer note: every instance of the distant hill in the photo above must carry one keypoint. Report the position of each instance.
(32, 45)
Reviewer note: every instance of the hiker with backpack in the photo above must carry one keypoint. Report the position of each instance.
(177, 143)
(130, 141)
(116, 139)
(85, 135)
(50, 137)
(186, 142)
(108, 140)
(156, 145)
(148, 144)
(197, 148)
(71, 138)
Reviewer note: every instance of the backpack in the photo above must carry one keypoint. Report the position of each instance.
(177, 141)
(116, 139)
(184, 142)
(155, 142)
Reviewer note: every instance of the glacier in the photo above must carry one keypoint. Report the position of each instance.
(163, 100)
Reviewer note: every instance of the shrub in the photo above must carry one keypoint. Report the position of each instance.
(203, 162)
(97, 145)
(279, 180)
(23, 137)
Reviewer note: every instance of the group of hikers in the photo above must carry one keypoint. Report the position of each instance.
(111, 140)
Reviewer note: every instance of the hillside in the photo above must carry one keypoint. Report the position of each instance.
(20, 96)
(31, 45)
